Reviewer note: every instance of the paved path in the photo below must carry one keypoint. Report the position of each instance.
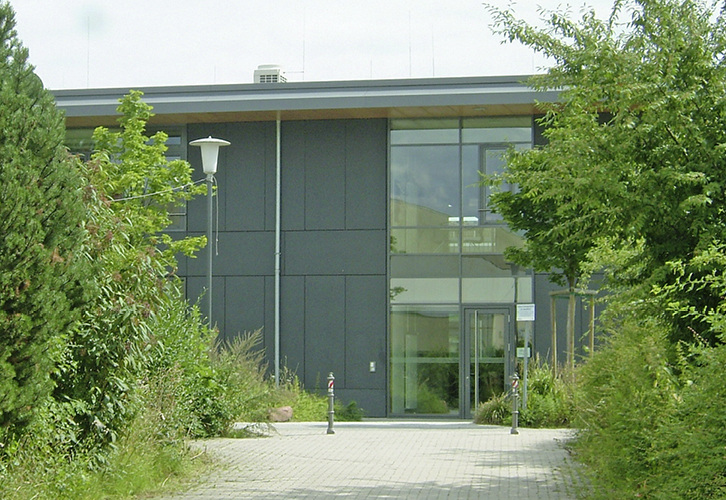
(391, 459)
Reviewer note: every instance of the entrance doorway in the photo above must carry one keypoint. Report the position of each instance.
(441, 365)
(486, 362)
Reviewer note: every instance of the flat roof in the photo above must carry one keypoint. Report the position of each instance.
(402, 98)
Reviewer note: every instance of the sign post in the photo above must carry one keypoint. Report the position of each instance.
(515, 404)
(525, 312)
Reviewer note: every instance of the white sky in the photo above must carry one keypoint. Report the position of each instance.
(136, 43)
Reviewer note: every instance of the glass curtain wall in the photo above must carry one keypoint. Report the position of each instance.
(446, 252)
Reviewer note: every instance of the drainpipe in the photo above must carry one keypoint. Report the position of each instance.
(277, 250)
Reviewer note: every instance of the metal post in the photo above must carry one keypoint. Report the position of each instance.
(278, 232)
(515, 404)
(210, 178)
(331, 403)
(525, 374)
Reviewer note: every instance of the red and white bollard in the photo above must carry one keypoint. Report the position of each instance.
(331, 402)
(515, 403)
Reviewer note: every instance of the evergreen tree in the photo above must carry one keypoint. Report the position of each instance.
(41, 233)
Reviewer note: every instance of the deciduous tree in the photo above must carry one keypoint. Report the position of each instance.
(635, 160)
(131, 184)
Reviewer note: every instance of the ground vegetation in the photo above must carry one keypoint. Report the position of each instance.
(635, 155)
(106, 371)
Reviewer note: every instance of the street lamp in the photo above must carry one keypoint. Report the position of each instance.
(210, 151)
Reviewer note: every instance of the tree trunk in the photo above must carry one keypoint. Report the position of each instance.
(571, 331)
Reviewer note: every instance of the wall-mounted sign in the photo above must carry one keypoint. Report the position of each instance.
(525, 312)
(524, 352)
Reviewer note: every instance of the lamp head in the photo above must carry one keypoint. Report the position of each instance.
(210, 150)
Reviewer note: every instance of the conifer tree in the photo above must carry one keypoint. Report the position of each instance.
(41, 234)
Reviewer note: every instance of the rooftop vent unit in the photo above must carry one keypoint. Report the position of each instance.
(270, 73)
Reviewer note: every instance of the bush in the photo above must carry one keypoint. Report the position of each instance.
(690, 454)
(497, 410)
(628, 397)
(550, 397)
(240, 374)
(42, 465)
(349, 413)
(550, 401)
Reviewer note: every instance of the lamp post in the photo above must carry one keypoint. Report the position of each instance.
(210, 151)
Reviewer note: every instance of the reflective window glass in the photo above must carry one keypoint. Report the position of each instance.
(424, 185)
(424, 290)
(491, 239)
(424, 266)
(425, 240)
(496, 135)
(424, 359)
(442, 136)
(477, 266)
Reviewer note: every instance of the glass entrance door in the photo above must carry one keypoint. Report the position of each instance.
(487, 353)
(441, 367)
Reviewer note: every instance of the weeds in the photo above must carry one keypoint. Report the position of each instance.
(550, 400)
(497, 410)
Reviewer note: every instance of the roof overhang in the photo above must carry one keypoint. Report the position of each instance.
(406, 98)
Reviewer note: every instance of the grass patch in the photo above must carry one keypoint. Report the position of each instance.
(138, 464)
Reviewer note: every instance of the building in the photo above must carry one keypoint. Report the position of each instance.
(353, 230)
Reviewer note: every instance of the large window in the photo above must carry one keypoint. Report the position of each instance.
(438, 204)
(446, 253)
(425, 360)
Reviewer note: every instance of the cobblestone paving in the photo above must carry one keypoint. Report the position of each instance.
(390, 460)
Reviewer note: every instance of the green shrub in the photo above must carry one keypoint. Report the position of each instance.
(550, 397)
(42, 466)
(497, 410)
(627, 398)
(349, 413)
(306, 406)
(694, 444)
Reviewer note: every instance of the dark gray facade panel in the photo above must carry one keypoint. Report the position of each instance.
(292, 190)
(196, 288)
(365, 332)
(245, 177)
(365, 178)
(292, 325)
(334, 252)
(325, 175)
(244, 304)
(324, 330)
(268, 331)
(333, 300)
(240, 254)
(250, 161)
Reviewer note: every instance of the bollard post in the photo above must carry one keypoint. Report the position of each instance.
(331, 403)
(515, 404)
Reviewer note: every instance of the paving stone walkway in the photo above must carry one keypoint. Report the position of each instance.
(390, 459)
